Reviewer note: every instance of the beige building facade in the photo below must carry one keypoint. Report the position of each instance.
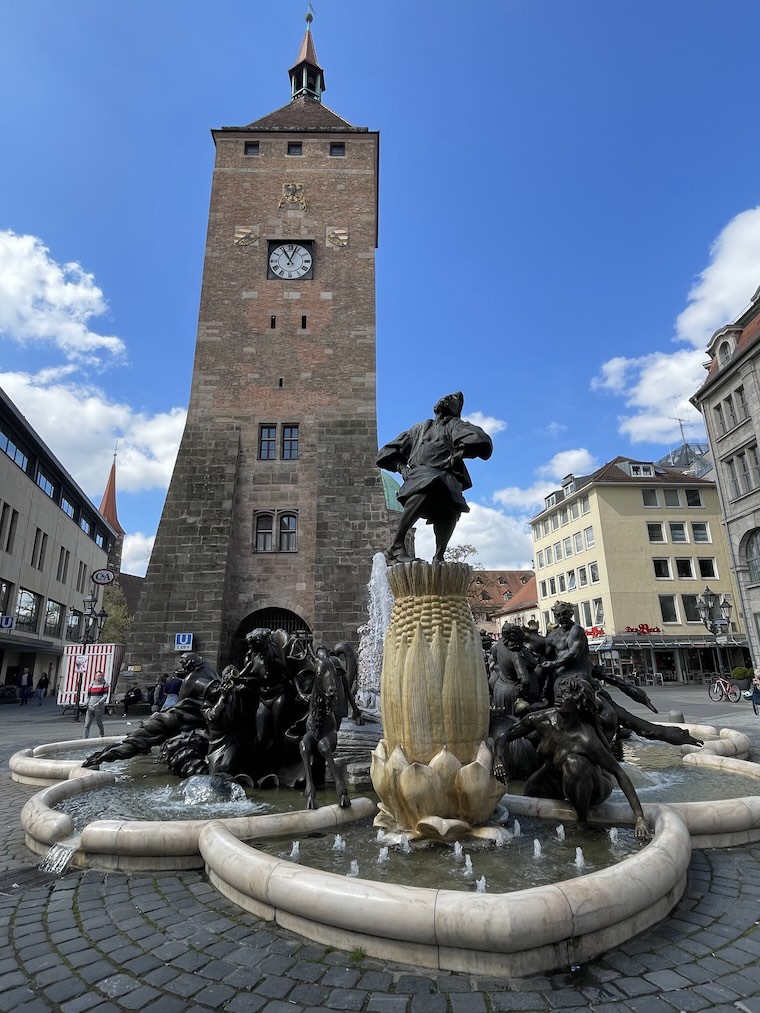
(632, 547)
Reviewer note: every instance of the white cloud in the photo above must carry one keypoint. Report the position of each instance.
(82, 426)
(726, 285)
(503, 542)
(136, 553)
(43, 302)
(577, 462)
(487, 422)
(656, 388)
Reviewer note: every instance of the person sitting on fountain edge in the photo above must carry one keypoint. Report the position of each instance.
(430, 459)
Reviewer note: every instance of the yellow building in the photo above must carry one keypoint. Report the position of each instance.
(632, 547)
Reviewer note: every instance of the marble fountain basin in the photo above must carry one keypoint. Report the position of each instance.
(513, 934)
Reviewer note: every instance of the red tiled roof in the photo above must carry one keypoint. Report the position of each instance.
(489, 587)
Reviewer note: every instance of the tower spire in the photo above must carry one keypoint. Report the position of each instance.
(107, 506)
(306, 76)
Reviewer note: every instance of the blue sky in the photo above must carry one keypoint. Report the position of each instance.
(569, 208)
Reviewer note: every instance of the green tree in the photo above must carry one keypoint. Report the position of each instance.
(116, 628)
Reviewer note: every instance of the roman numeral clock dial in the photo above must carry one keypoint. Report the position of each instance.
(290, 261)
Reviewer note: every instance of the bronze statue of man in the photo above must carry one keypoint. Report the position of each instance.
(430, 459)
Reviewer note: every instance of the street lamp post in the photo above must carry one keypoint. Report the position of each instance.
(717, 625)
(91, 626)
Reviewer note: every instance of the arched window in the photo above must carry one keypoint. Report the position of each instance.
(263, 538)
(753, 556)
(288, 533)
(724, 353)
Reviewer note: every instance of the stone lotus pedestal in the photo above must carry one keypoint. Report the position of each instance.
(433, 769)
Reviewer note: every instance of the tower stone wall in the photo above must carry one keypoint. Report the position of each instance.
(278, 353)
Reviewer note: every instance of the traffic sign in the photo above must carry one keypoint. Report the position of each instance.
(7, 622)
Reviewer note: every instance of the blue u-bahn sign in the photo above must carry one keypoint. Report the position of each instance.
(183, 641)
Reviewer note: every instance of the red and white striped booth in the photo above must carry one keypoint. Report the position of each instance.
(85, 661)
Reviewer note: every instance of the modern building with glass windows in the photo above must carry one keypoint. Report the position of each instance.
(632, 547)
(729, 400)
(52, 538)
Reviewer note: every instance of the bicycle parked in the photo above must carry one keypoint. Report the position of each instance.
(722, 688)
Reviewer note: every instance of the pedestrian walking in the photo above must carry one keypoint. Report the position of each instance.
(97, 695)
(25, 686)
(42, 688)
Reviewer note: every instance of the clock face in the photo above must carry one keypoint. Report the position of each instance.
(290, 260)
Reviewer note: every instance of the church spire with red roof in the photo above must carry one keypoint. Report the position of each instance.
(107, 509)
(306, 76)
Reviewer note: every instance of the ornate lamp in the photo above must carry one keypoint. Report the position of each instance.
(92, 625)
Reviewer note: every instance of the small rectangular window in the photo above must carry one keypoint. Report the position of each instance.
(678, 531)
(575, 510)
(11, 536)
(303, 323)
(290, 443)
(267, 443)
(84, 524)
(588, 534)
(582, 578)
(295, 148)
(597, 607)
(264, 529)
(549, 556)
(707, 569)
(557, 551)
(578, 541)
(700, 531)
(67, 507)
(593, 572)
(690, 608)
(693, 497)
(672, 499)
(337, 149)
(46, 484)
(555, 522)
(543, 588)
(586, 613)
(563, 516)
(567, 546)
(649, 497)
(668, 609)
(654, 530)
(251, 148)
(571, 580)
(540, 559)
(561, 583)
(585, 505)
(272, 322)
(661, 568)
(685, 568)
(552, 586)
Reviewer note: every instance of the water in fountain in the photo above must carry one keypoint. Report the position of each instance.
(580, 861)
(560, 832)
(295, 852)
(612, 833)
(536, 848)
(406, 848)
(468, 867)
(480, 885)
(58, 857)
(340, 844)
(458, 851)
(373, 634)
(382, 856)
(354, 870)
(516, 829)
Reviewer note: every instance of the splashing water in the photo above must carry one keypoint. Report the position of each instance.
(406, 847)
(480, 885)
(516, 829)
(380, 604)
(57, 858)
(580, 861)
(458, 852)
(560, 832)
(467, 866)
(295, 851)
(380, 836)
(612, 833)
(340, 844)
(354, 870)
(536, 848)
(382, 856)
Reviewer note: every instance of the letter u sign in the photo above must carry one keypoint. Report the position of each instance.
(183, 641)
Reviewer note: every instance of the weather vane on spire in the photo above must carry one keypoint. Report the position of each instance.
(310, 12)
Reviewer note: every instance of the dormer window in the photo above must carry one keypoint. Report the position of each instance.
(642, 471)
(550, 500)
(724, 352)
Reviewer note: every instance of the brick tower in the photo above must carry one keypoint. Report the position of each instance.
(275, 507)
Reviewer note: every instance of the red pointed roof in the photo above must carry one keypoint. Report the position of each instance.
(307, 52)
(108, 504)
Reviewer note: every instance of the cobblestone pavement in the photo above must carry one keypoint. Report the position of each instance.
(168, 943)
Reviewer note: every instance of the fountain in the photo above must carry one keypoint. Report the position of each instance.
(433, 771)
